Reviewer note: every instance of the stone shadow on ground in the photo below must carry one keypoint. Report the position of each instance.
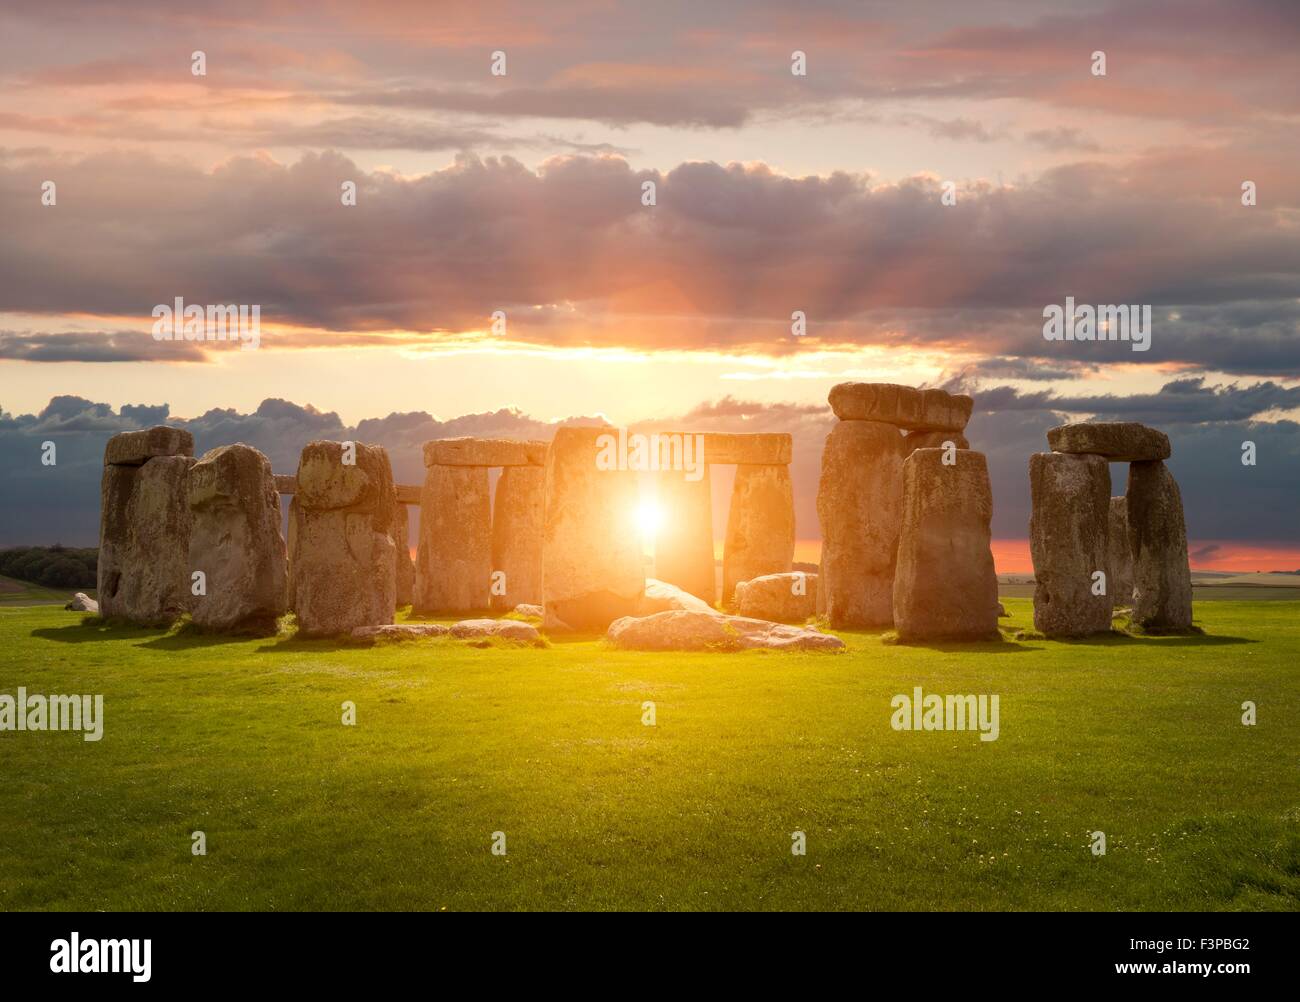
(97, 629)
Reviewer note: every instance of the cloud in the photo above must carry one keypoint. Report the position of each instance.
(726, 253)
(95, 346)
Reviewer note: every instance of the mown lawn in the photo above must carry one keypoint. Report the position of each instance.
(242, 739)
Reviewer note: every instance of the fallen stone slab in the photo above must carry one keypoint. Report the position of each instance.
(1118, 441)
(1068, 541)
(483, 452)
(134, 448)
(81, 602)
(660, 596)
(784, 598)
(683, 630)
(1157, 538)
(401, 631)
(506, 629)
(528, 609)
(902, 406)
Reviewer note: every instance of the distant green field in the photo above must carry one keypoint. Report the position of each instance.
(1141, 739)
(15, 592)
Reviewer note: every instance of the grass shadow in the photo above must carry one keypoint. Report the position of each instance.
(91, 628)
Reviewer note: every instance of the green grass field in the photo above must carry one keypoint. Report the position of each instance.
(1140, 738)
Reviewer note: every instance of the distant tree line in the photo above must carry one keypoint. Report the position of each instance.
(52, 566)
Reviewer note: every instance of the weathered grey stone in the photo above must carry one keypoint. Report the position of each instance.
(945, 587)
(760, 526)
(453, 567)
(903, 406)
(81, 602)
(660, 596)
(235, 541)
(1068, 541)
(1002, 611)
(483, 452)
(506, 629)
(134, 448)
(684, 542)
(1118, 441)
(342, 559)
(682, 630)
(326, 483)
(144, 541)
(404, 567)
(527, 609)
(1157, 536)
(785, 598)
(1119, 561)
(592, 566)
(914, 440)
(517, 520)
(860, 506)
(401, 631)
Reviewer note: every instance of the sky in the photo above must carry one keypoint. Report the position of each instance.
(938, 176)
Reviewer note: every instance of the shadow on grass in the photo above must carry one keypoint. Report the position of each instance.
(93, 628)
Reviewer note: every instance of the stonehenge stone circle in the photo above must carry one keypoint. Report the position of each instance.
(1119, 573)
(904, 406)
(144, 528)
(342, 568)
(1118, 441)
(945, 587)
(782, 598)
(235, 541)
(592, 568)
(760, 526)
(1068, 541)
(860, 506)
(1157, 536)
(517, 520)
(453, 568)
(684, 541)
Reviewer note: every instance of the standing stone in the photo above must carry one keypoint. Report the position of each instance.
(684, 542)
(914, 440)
(453, 570)
(404, 579)
(760, 526)
(517, 520)
(945, 587)
(1157, 536)
(1119, 574)
(144, 538)
(592, 567)
(341, 554)
(1068, 542)
(235, 541)
(860, 506)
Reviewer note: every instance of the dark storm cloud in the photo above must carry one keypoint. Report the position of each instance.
(727, 248)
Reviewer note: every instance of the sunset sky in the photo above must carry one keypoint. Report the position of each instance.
(775, 193)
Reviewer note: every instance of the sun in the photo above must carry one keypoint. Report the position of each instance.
(649, 517)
